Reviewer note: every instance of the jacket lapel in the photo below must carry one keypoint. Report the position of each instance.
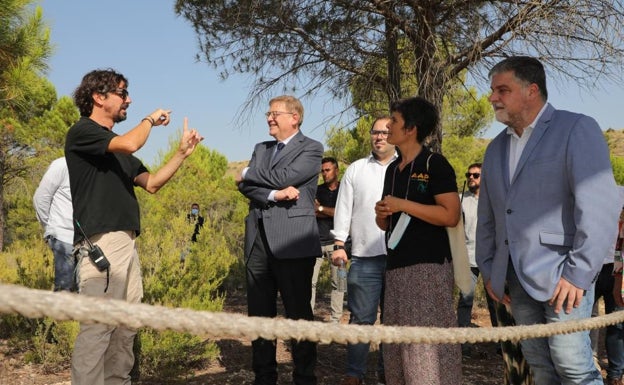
(290, 147)
(538, 132)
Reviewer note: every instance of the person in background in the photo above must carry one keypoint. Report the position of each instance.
(103, 173)
(419, 201)
(546, 218)
(469, 201)
(614, 334)
(195, 219)
(326, 195)
(360, 188)
(281, 234)
(53, 207)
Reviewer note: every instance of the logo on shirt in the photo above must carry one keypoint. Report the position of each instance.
(422, 181)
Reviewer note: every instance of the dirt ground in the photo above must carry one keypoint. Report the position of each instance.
(484, 367)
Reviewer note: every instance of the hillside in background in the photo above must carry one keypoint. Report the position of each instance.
(234, 168)
(615, 138)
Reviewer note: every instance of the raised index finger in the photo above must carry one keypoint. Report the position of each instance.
(185, 126)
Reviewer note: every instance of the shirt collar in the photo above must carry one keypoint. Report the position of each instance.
(371, 157)
(285, 141)
(529, 129)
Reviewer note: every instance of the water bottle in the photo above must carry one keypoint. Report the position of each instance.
(342, 277)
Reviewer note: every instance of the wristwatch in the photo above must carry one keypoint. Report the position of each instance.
(320, 209)
(339, 247)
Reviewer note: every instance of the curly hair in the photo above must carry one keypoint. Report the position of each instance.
(100, 81)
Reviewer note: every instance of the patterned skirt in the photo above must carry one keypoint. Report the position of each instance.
(421, 295)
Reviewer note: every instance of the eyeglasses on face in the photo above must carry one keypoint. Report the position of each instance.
(379, 133)
(475, 175)
(122, 93)
(275, 114)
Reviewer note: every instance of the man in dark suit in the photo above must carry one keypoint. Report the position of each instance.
(281, 234)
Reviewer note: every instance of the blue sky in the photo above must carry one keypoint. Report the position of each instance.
(155, 50)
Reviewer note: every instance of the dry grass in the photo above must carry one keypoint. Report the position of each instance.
(615, 139)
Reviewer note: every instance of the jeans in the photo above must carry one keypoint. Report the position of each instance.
(464, 304)
(614, 339)
(337, 296)
(64, 265)
(365, 286)
(561, 358)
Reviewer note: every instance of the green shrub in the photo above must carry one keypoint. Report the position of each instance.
(53, 343)
(172, 355)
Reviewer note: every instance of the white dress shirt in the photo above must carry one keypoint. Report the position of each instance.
(469, 209)
(360, 188)
(53, 203)
(518, 143)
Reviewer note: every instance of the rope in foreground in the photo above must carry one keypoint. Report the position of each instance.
(64, 306)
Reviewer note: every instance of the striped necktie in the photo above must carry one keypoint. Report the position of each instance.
(280, 145)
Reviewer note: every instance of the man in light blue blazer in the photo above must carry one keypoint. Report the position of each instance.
(546, 217)
(281, 234)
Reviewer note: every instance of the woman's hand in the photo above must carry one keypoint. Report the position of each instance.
(388, 206)
(382, 214)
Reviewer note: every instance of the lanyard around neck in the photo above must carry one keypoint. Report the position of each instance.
(409, 177)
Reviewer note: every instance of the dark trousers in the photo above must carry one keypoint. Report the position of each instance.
(267, 275)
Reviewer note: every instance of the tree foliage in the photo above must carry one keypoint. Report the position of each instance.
(24, 49)
(166, 235)
(617, 163)
(197, 284)
(304, 46)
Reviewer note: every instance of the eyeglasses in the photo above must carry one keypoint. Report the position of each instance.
(275, 114)
(122, 93)
(475, 175)
(379, 133)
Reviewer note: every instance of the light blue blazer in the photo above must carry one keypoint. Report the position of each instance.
(557, 215)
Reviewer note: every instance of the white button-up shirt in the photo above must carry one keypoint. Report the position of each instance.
(360, 188)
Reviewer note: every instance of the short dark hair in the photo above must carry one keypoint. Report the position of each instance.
(330, 159)
(417, 112)
(100, 81)
(477, 165)
(526, 69)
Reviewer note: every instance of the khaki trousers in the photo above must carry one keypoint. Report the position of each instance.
(103, 354)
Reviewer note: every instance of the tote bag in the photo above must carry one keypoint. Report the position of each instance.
(459, 253)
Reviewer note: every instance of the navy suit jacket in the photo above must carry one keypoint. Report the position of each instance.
(557, 216)
(290, 226)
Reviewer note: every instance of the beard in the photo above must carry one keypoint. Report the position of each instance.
(473, 188)
(119, 118)
(121, 115)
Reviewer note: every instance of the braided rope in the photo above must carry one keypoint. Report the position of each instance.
(66, 306)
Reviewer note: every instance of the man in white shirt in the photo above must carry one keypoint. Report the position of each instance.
(53, 206)
(361, 187)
